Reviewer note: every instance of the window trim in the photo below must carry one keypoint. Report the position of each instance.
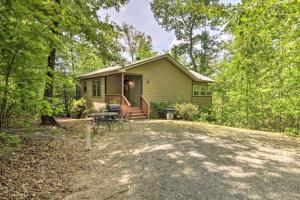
(98, 88)
(200, 89)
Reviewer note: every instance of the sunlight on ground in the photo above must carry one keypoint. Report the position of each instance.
(196, 154)
(125, 178)
(187, 160)
(153, 148)
(175, 155)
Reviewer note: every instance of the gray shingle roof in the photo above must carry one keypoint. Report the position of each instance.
(201, 77)
(99, 71)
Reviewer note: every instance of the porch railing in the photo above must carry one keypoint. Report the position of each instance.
(119, 99)
(125, 107)
(145, 106)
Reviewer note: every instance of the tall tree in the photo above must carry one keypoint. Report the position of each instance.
(191, 22)
(87, 26)
(32, 29)
(259, 82)
(136, 43)
(48, 93)
(24, 48)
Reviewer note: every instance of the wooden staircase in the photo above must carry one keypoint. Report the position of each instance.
(137, 113)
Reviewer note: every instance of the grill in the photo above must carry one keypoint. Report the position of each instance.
(113, 108)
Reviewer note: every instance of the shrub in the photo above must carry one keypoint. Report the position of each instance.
(55, 108)
(79, 108)
(158, 109)
(186, 111)
(206, 114)
(46, 108)
(8, 141)
(292, 131)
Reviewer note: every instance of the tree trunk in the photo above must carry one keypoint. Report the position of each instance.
(66, 101)
(5, 92)
(49, 119)
(191, 46)
(4, 102)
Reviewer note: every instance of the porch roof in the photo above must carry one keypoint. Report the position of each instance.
(195, 76)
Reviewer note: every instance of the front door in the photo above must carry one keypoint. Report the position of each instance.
(127, 90)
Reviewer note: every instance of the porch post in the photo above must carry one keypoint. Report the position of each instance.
(122, 94)
(122, 85)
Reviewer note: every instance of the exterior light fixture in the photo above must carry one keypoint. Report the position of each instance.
(131, 83)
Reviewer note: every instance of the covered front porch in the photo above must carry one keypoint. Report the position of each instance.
(127, 90)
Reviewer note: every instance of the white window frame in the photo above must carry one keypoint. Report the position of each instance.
(201, 90)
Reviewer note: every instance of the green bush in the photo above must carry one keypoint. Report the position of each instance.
(46, 108)
(186, 111)
(292, 131)
(78, 108)
(8, 141)
(55, 108)
(158, 109)
(206, 114)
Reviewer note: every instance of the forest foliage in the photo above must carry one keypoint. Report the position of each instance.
(256, 67)
(251, 49)
(259, 78)
(193, 23)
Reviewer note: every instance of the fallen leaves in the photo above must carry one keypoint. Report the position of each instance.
(41, 168)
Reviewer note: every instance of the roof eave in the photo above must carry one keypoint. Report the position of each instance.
(205, 81)
(201, 80)
(99, 74)
(123, 69)
(167, 56)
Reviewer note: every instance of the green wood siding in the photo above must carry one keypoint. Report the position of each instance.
(164, 82)
(161, 82)
(202, 101)
(89, 93)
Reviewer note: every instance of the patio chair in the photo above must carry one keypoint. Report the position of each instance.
(122, 119)
(99, 121)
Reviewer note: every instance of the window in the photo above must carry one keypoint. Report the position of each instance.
(96, 88)
(201, 90)
(84, 86)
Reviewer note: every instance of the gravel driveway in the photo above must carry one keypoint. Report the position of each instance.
(186, 160)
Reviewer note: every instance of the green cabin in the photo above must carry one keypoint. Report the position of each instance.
(135, 86)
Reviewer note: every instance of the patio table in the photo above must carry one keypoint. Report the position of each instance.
(108, 117)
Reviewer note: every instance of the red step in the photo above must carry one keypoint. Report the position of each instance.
(139, 117)
(137, 113)
(135, 108)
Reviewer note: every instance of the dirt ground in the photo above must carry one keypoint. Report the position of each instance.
(186, 160)
(41, 166)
